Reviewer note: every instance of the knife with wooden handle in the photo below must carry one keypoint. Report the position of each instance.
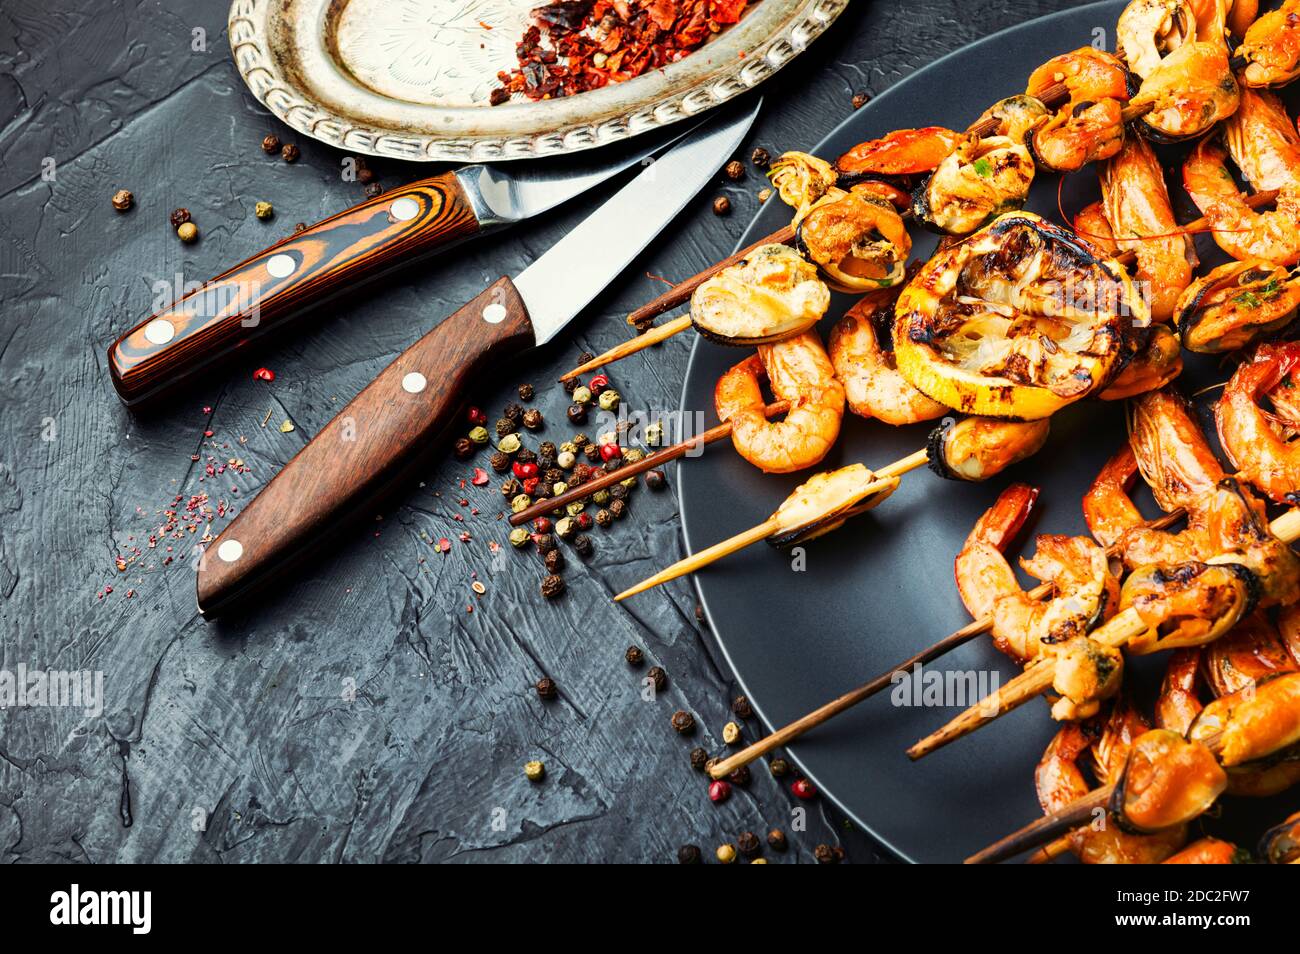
(276, 286)
(388, 433)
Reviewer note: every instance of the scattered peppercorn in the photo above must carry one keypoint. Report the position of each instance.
(510, 487)
(748, 844)
(635, 657)
(582, 395)
(654, 479)
(289, 153)
(464, 448)
(699, 612)
(264, 210)
(500, 461)
(683, 722)
(566, 459)
(520, 503)
(271, 144)
(188, 232)
(582, 545)
(604, 518)
(586, 357)
(554, 561)
(735, 170)
(722, 205)
(687, 854)
(478, 435)
(505, 426)
(546, 688)
(591, 450)
(698, 758)
(545, 542)
(658, 678)
(372, 190)
(542, 525)
(123, 200)
(803, 789)
(608, 400)
(739, 776)
(861, 99)
(179, 217)
(519, 538)
(618, 509)
(731, 733)
(776, 839)
(567, 528)
(719, 791)
(526, 392)
(726, 853)
(365, 175)
(741, 707)
(759, 861)
(525, 456)
(760, 157)
(533, 419)
(535, 770)
(825, 855)
(514, 412)
(510, 444)
(552, 586)
(577, 413)
(299, 227)
(780, 768)
(570, 385)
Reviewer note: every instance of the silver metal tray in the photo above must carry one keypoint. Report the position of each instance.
(410, 79)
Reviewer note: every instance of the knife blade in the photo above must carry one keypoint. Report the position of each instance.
(281, 284)
(381, 440)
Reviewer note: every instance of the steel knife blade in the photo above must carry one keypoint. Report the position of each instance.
(386, 435)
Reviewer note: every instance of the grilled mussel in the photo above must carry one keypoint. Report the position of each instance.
(824, 501)
(770, 296)
(857, 240)
(1236, 304)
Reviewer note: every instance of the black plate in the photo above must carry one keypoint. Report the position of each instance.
(879, 589)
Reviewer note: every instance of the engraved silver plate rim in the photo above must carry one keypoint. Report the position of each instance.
(581, 122)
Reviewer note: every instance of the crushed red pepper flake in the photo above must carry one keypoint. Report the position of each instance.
(578, 45)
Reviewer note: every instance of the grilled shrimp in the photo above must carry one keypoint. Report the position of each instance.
(857, 240)
(1091, 224)
(1261, 443)
(1263, 142)
(977, 448)
(1024, 628)
(799, 371)
(1090, 126)
(1235, 304)
(1208, 851)
(1149, 30)
(1269, 54)
(1239, 230)
(974, 184)
(862, 353)
(1171, 451)
(1060, 780)
(1136, 203)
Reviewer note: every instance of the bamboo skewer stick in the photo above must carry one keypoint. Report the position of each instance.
(850, 699)
(716, 552)
(1050, 851)
(649, 462)
(1045, 829)
(1038, 677)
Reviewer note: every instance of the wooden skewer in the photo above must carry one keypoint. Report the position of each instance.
(865, 691)
(716, 552)
(1050, 851)
(1045, 829)
(649, 462)
(1038, 676)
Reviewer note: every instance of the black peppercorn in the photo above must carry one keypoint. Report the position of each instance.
(179, 217)
(271, 144)
(533, 419)
(721, 205)
(658, 678)
(735, 170)
(698, 758)
(525, 455)
(544, 541)
(289, 152)
(740, 776)
(593, 453)
(748, 844)
(586, 358)
(577, 414)
(526, 392)
(839, 853)
(699, 612)
(547, 449)
(780, 768)
(634, 656)
(604, 518)
(611, 465)
(552, 586)
(776, 839)
(464, 448)
(500, 462)
(825, 855)
(583, 545)
(618, 509)
(688, 855)
(514, 412)
(123, 200)
(761, 157)
(554, 561)
(372, 190)
(618, 492)
(550, 473)
(861, 99)
(742, 707)
(505, 426)
(654, 479)
(571, 385)
(683, 722)
(581, 440)
(511, 488)
(546, 688)
(365, 176)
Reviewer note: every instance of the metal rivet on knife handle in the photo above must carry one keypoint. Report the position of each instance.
(414, 383)
(280, 266)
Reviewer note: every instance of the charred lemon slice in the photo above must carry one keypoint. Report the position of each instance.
(1016, 321)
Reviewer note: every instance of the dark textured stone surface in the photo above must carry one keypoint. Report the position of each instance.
(240, 740)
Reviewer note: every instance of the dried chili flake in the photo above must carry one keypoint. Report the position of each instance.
(579, 45)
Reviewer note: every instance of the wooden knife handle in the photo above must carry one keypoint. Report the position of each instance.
(269, 290)
(376, 444)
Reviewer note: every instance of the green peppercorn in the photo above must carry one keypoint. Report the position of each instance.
(479, 435)
(534, 770)
(566, 528)
(731, 733)
(519, 538)
(568, 447)
(520, 503)
(632, 454)
(654, 434)
(263, 210)
(188, 232)
(582, 395)
(609, 400)
(509, 444)
(574, 507)
(600, 497)
(628, 483)
(559, 487)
